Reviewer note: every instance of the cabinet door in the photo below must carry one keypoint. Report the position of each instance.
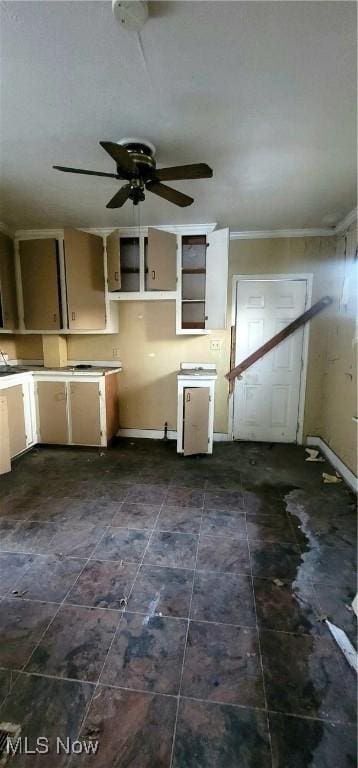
(162, 256)
(16, 417)
(5, 465)
(8, 301)
(85, 413)
(52, 410)
(85, 281)
(196, 420)
(40, 284)
(113, 261)
(217, 258)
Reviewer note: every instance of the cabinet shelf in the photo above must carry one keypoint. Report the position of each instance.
(194, 271)
(130, 270)
(193, 325)
(193, 301)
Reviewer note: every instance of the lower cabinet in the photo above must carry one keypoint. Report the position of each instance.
(52, 412)
(16, 418)
(75, 412)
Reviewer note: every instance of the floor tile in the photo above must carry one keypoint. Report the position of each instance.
(162, 591)
(270, 528)
(223, 522)
(49, 577)
(103, 584)
(180, 519)
(266, 499)
(77, 541)
(226, 500)
(7, 530)
(7, 680)
(31, 537)
(147, 654)
(147, 494)
(50, 708)
(223, 597)
(122, 544)
(183, 496)
(176, 550)
(220, 736)
(136, 729)
(222, 663)
(302, 743)
(136, 515)
(12, 567)
(287, 607)
(76, 644)
(304, 676)
(335, 603)
(22, 624)
(271, 560)
(219, 553)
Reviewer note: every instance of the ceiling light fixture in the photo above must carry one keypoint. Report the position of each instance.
(132, 15)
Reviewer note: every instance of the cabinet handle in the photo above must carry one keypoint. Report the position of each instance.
(54, 317)
(73, 315)
(153, 274)
(188, 397)
(116, 276)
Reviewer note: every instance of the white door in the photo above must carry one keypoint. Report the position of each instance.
(266, 399)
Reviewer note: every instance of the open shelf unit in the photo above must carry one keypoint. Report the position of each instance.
(130, 261)
(193, 277)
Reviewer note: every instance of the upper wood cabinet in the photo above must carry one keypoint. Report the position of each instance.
(113, 261)
(161, 260)
(40, 280)
(8, 300)
(202, 290)
(84, 266)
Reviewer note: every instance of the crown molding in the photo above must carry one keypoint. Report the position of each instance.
(343, 225)
(259, 234)
(262, 234)
(177, 229)
(6, 230)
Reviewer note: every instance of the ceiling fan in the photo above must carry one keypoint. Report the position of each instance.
(135, 161)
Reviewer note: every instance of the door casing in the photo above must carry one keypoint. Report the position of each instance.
(308, 277)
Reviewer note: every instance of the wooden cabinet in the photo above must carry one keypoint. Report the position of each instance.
(202, 290)
(16, 418)
(52, 412)
(40, 280)
(195, 416)
(8, 299)
(85, 413)
(161, 260)
(113, 261)
(84, 266)
(75, 411)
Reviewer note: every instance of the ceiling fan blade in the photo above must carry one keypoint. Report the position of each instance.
(120, 197)
(120, 156)
(194, 171)
(172, 195)
(89, 173)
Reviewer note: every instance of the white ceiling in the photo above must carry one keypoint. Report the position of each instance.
(265, 92)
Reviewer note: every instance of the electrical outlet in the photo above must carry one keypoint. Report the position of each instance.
(215, 345)
(115, 352)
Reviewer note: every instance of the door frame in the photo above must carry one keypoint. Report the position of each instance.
(308, 278)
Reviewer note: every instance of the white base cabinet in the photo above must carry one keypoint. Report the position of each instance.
(196, 399)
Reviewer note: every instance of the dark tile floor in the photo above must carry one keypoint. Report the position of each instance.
(172, 608)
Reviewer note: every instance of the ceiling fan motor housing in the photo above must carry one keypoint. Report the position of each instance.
(142, 152)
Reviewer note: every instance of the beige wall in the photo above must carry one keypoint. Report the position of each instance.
(151, 352)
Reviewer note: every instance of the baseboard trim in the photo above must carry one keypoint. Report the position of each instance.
(158, 434)
(336, 462)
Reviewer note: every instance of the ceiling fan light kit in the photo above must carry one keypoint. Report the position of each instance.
(135, 163)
